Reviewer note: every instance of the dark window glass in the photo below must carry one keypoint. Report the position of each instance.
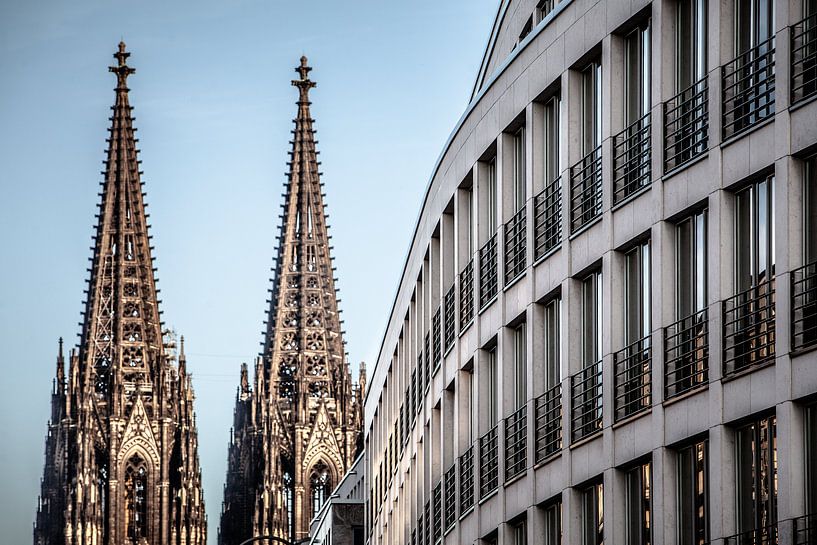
(593, 515)
(637, 73)
(693, 521)
(754, 263)
(690, 43)
(756, 475)
(553, 524)
(811, 459)
(810, 211)
(553, 368)
(690, 237)
(639, 513)
(591, 319)
(637, 293)
(591, 107)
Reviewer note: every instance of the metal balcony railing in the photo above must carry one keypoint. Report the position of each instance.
(421, 535)
(804, 59)
(633, 378)
(437, 513)
(467, 295)
(804, 307)
(748, 89)
(767, 535)
(805, 530)
(586, 399)
(515, 246)
(686, 354)
(632, 159)
(488, 463)
(488, 281)
(686, 125)
(450, 319)
(585, 190)
(547, 212)
(466, 464)
(450, 504)
(437, 339)
(516, 443)
(548, 409)
(748, 328)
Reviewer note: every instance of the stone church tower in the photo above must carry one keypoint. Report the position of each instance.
(298, 427)
(121, 461)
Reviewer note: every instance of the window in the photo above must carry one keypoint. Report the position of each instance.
(493, 394)
(526, 29)
(749, 333)
(756, 474)
(553, 363)
(693, 510)
(748, 80)
(690, 259)
(639, 491)
(754, 260)
(591, 319)
(637, 294)
(551, 139)
(136, 499)
(520, 366)
(320, 485)
(690, 43)
(553, 524)
(490, 197)
(754, 23)
(591, 107)
(520, 536)
(811, 460)
(518, 143)
(593, 515)
(810, 211)
(637, 73)
(543, 8)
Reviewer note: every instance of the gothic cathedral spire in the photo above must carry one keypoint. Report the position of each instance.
(297, 431)
(121, 461)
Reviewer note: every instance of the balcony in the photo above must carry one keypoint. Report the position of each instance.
(515, 245)
(450, 318)
(686, 355)
(686, 125)
(586, 398)
(436, 525)
(804, 59)
(748, 328)
(767, 535)
(804, 307)
(748, 89)
(547, 218)
(467, 295)
(488, 273)
(436, 340)
(450, 506)
(633, 378)
(516, 443)
(631, 159)
(805, 530)
(585, 190)
(548, 412)
(488, 463)
(466, 463)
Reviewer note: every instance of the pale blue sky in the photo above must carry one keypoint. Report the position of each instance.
(213, 105)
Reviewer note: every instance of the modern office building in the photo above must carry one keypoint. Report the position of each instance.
(603, 331)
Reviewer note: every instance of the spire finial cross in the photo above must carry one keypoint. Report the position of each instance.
(304, 84)
(122, 70)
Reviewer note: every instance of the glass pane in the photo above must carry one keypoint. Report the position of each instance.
(519, 169)
(521, 366)
(552, 360)
(700, 262)
(684, 261)
(811, 459)
(590, 320)
(744, 240)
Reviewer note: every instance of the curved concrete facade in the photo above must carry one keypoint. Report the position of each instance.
(548, 368)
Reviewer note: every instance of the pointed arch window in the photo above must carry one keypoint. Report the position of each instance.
(136, 488)
(320, 486)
